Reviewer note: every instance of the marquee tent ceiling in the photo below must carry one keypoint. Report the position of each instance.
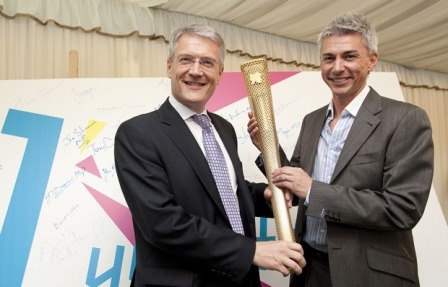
(411, 33)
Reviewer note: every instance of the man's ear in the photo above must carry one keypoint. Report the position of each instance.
(221, 70)
(373, 61)
(168, 68)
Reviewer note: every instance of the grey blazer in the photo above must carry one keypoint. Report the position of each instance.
(377, 193)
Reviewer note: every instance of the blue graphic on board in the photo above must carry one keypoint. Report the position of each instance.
(21, 218)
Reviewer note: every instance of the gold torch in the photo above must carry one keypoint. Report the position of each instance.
(256, 78)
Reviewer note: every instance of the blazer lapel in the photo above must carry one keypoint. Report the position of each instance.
(311, 139)
(364, 124)
(244, 197)
(180, 134)
(229, 143)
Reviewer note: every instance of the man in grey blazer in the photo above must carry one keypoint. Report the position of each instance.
(184, 236)
(361, 170)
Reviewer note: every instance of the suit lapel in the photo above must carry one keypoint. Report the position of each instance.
(311, 139)
(228, 138)
(180, 134)
(229, 142)
(364, 124)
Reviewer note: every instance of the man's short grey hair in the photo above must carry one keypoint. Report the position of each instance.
(200, 30)
(350, 23)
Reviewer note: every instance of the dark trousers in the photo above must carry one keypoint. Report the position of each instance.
(316, 272)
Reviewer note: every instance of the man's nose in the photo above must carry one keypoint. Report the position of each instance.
(196, 68)
(339, 65)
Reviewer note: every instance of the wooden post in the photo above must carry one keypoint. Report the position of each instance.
(73, 64)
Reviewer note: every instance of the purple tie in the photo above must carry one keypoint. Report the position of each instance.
(217, 164)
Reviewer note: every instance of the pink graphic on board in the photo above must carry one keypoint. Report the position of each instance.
(89, 165)
(264, 285)
(119, 213)
(232, 89)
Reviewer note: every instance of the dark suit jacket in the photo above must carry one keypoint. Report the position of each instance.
(183, 236)
(377, 193)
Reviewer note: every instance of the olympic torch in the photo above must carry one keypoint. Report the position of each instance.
(256, 78)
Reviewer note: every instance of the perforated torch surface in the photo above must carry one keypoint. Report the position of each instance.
(256, 78)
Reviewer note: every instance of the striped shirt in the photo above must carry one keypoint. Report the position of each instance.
(329, 148)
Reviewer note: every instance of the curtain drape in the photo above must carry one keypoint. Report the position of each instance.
(116, 39)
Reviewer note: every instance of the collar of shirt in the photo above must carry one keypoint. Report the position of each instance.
(354, 106)
(183, 111)
(196, 130)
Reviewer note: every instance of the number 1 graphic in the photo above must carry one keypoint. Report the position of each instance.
(21, 218)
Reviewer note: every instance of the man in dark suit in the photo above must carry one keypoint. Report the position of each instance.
(361, 170)
(184, 236)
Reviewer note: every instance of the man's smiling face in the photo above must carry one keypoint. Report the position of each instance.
(345, 64)
(195, 71)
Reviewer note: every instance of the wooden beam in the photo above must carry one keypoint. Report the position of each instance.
(73, 64)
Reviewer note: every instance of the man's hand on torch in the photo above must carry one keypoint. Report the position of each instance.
(282, 256)
(288, 196)
(293, 179)
(252, 129)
